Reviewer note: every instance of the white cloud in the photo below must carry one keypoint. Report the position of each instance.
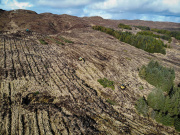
(64, 3)
(14, 4)
(91, 12)
(138, 5)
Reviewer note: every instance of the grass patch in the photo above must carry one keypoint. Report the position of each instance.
(65, 40)
(127, 58)
(141, 87)
(106, 83)
(42, 41)
(36, 93)
(111, 102)
(60, 43)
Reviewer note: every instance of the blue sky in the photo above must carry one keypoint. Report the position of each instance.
(155, 10)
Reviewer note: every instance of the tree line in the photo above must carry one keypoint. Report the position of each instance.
(150, 33)
(163, 103)
(144, 42)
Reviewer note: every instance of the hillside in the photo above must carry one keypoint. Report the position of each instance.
(45, 89)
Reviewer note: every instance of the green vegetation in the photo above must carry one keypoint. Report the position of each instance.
(106, 83)
(150, 33)
(158, 75)
(36, 93)
(42, 41)
(65, 40)
(142, 106)
(121, 25)
(141, 87)
(142, 27)
(111, 102)
(175, 34)
(147, 43)
(163, 102)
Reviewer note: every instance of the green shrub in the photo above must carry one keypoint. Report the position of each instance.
(177, 124)
(144, 42)
(157, 75)
(150, 33)
(106, 83)
(65, 40)
(142, 27)
(111, 102)
(36, 93)
(156, 99)
(164, 119)
(175, 34)
(142, 107)
(42, 41)
(121, 25)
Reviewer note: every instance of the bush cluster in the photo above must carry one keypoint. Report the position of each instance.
(106, 83)
(157, 75)
(121, 25)
(42, 41)
(147, 43)
(150, 33)
(142, 27)
(164, 99)
(175, 34)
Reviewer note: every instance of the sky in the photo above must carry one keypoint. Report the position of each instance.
(154, 10)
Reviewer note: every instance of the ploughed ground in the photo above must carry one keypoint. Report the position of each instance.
(46, 90)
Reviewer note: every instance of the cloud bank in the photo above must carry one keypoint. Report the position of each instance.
(155, 10)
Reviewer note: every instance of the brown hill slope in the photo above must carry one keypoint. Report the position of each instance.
(46, 90)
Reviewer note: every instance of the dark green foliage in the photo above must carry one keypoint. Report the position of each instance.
(156, 100)
(142, 107)
(106, 83)
(36, 93)
(147, 43)
(142, 27)
(150, 33)
(111, 102)
(164, 119)
(157, 75)
(42, 41)
(121, 25)
(174, 102)
(177, 124)
(164, 101)
(175, 34)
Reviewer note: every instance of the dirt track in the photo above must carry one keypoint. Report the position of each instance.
(46, 90)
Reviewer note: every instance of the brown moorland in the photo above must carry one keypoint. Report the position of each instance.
(45, 89)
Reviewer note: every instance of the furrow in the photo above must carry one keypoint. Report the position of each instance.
(37, 122)
(5, 55)
(19, 61)
(28, 63)
(26, 124)
(12, 60)
(51, 124)
(47, 126)
(36, 65)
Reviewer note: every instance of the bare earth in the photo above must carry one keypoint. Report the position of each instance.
(46, 90)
